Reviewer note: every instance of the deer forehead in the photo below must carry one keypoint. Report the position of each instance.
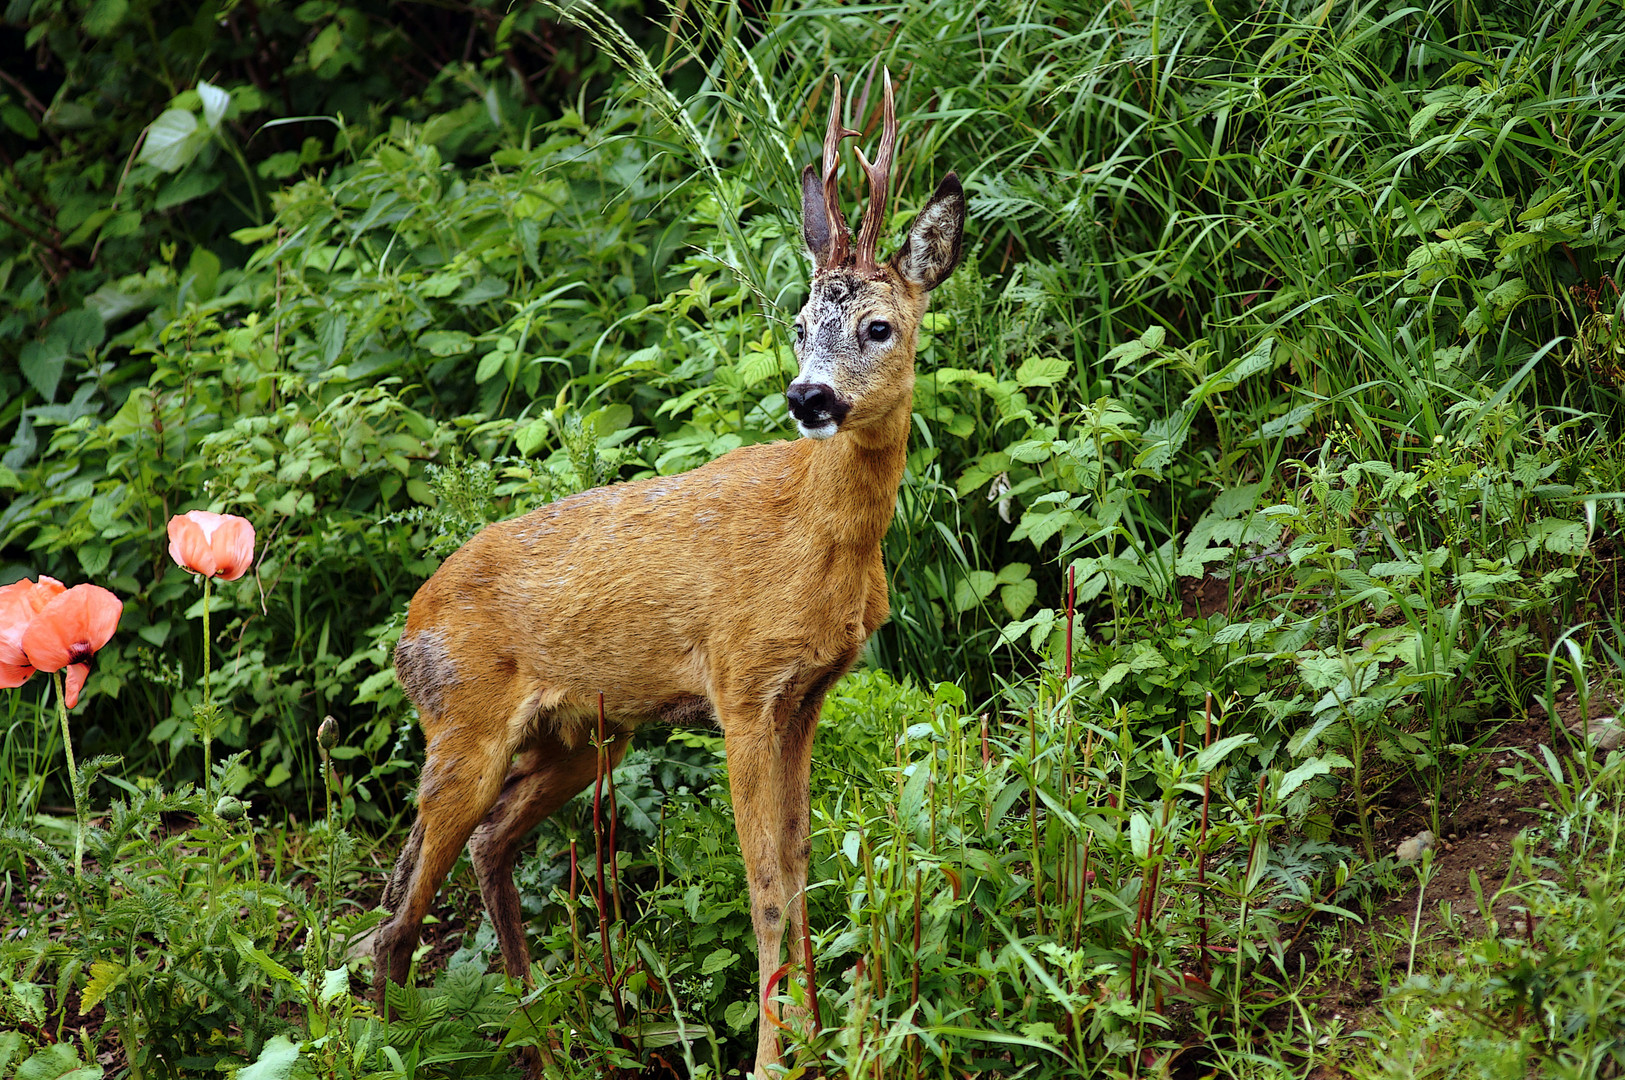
(844, 297)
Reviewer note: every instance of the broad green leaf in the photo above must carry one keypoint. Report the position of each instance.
(1042, 371)
(104, 17)
(58, 1062)
(1018, 596)
(757, 366)
(973, 588)
(263, 960)
(331, 328)
(41, 363)
(335, 984)
(716, 960)
(1210, 756)
(447, 343)
(215, 103)
(531, 436)
(1139, 833)
(172, 141)
(276, 1061)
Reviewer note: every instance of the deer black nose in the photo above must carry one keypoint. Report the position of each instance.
(814, 403)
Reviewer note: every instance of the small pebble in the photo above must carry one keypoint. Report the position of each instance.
(1411, 850)
(1504, 821)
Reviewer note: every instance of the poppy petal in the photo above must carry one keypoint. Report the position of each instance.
(189, 546)
(20, 602)
(233, 546)
(83, 617)
(14, 674)
(77, 674)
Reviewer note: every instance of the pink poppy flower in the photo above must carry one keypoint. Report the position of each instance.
(19, 603)
(214, 545)
(67, 632)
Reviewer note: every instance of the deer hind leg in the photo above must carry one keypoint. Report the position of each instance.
(460, 781)
(543, 779)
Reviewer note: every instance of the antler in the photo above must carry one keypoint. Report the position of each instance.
(840, 235)
(879, 174)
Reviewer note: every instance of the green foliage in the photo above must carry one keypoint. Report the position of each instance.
(1288, 334)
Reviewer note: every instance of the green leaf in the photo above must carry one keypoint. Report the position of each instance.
(331, 329)
(1139, 834)
(1210, 756)
(16, 118)
(1018, 596)
(215, 103)
(94, 557)
(739, 1015)
(757, 366)
(58, 1062)
(276, 1061)
(717, 960)
(335, 984)
(172, 141)
(491, 363)
(973, 588)
(446, 342)
(1042, 371)
(41, 363)
(104, 976)
(264, 961)
(104, 17)
(1315, 766)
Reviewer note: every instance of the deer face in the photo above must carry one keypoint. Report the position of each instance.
(855, 337)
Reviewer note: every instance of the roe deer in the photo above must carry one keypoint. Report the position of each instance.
(739, 591)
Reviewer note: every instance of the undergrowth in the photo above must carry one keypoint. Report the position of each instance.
(1266, 463)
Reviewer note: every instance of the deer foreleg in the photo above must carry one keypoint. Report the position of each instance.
(769, 763)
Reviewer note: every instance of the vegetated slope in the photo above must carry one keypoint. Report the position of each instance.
(1290, 338)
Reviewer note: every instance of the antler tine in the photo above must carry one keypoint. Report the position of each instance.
(879, 174)
(840, 234)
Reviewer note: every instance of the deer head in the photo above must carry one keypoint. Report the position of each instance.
(856, 335)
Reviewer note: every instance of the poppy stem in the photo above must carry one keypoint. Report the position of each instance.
(73, 779)
(208, 698)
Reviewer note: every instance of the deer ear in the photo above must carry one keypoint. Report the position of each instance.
(932, 249)
(814, 216)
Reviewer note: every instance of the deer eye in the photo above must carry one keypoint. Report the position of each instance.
(879, 331)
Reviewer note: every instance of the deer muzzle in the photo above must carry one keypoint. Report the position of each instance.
(818, 410)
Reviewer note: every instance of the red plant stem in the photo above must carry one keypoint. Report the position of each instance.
(598, 847)
(1201, 855)
(807, 958)
(1071, 601)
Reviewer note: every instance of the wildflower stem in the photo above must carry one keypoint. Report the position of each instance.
(73, 779)
(208, 697)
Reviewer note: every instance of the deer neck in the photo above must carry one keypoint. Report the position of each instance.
(852, 479)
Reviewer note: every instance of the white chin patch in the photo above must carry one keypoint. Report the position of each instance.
(817, 431)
